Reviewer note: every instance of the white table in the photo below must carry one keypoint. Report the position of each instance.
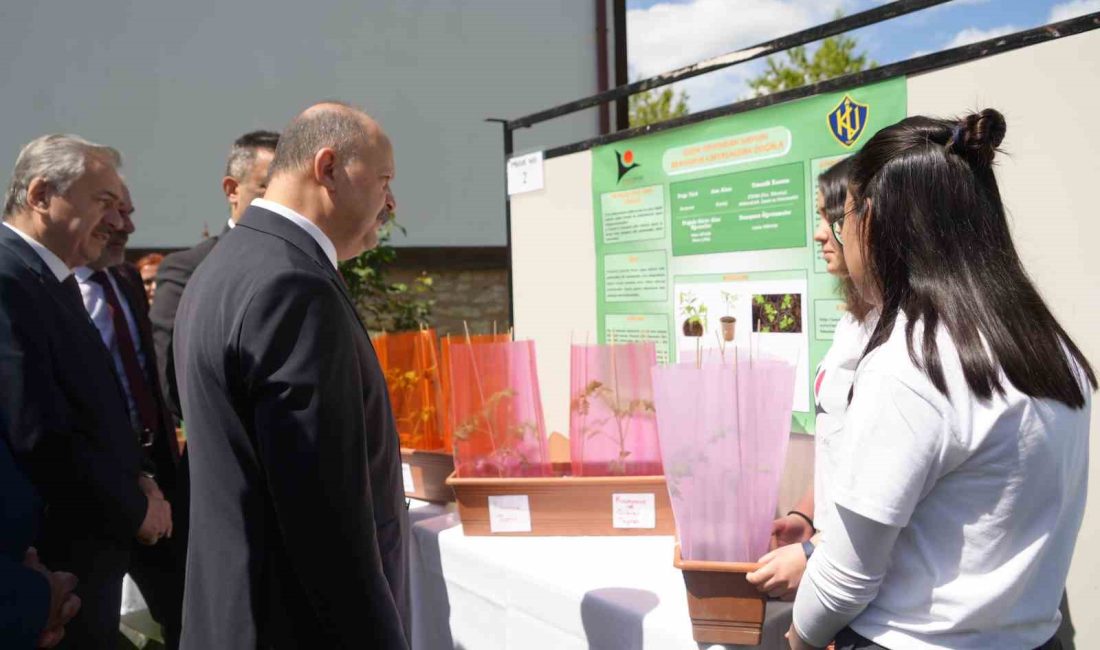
(559, 593)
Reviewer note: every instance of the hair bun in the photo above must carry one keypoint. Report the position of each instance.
(977, 136)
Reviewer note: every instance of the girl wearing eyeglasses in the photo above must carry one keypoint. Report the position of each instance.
(960, 475)
(796, 534)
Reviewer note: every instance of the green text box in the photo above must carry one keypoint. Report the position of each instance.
(761, 209)
(633, 215)
(636, 277)
(827, 315)
(640, 328)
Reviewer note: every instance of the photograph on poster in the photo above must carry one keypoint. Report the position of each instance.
(724, 309)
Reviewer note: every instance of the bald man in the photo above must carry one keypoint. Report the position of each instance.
(297, 507)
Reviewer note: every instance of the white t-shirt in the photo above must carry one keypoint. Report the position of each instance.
(832, 383)
(989, 497)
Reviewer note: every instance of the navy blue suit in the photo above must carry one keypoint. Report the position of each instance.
(64, 415)
(24, 593)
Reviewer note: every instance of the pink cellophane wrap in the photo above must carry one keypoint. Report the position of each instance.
(612, 425)
(724, 428)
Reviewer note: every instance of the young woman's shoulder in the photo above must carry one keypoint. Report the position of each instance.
(904, 362)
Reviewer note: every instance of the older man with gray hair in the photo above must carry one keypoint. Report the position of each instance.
(298, 518)
(62, 410)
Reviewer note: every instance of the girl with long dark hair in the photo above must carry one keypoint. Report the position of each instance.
(796, 533)
(960, 474)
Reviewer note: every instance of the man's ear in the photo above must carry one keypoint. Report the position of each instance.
(324, 168)
(229, 187)
(38, 194)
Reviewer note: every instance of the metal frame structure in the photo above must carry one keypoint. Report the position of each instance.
(926, 63)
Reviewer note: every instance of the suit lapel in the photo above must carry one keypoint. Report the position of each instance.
(48, 281)
(76, 313)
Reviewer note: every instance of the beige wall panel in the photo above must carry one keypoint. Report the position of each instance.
(554, 274)
(1050, 96)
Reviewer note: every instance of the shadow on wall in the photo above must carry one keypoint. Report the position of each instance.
(613, 617)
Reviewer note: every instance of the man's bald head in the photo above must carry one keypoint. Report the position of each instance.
(341, 127)
(333, 166)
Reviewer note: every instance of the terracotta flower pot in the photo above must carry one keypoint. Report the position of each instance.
(729, 324)
(724, 607)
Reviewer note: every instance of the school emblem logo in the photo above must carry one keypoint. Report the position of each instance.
(847, 120)
(626, 163)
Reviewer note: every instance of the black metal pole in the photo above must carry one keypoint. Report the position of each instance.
(622, 105)
(624, 89)
(508, 149)
(602, 81)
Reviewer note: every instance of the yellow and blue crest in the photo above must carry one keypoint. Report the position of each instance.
(847, 120)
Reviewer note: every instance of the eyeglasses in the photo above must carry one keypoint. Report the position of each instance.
(835, 228)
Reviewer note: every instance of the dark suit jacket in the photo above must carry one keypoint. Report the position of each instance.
(24, 593)
(172, 276)
(298, 515)
(64, 415)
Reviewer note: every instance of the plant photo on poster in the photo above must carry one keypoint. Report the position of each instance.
(694, 313)
(779, 313)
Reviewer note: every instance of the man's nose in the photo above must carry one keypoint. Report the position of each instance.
(114, 219)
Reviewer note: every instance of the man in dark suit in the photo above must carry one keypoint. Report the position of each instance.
(114, 298)
(298, 515)
(35, 603)
(62, 410)
(245, 179)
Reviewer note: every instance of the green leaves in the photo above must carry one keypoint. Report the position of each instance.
(835, 57)
(652, 106)
(384, 305)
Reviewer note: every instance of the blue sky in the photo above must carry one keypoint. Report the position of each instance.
(665, 34)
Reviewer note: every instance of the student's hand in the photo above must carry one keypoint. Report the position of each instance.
(781, 573)
(790, 529)
(64, 604)
(796, 642)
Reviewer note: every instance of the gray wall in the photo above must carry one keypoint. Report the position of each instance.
(171, 84)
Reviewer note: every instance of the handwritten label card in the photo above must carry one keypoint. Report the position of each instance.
(407, 478)
(525, 173)
(633, 511)
(509, 514)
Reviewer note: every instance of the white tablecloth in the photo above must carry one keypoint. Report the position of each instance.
(553, 593)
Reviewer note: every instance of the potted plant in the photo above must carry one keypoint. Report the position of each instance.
(612, 428)
(723, 429)
(499, 430)
(729, 322)
(410, 363)
(695, 313)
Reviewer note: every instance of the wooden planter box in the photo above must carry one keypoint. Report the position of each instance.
(564, 505)
(724, 607)
(425, 473)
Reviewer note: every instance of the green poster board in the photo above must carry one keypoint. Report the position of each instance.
(721, 215)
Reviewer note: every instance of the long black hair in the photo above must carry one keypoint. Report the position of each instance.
(937, 248)
(833, 183)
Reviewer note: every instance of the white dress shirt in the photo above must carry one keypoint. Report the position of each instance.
(305, 224)
(95, 303)
(59, 268)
